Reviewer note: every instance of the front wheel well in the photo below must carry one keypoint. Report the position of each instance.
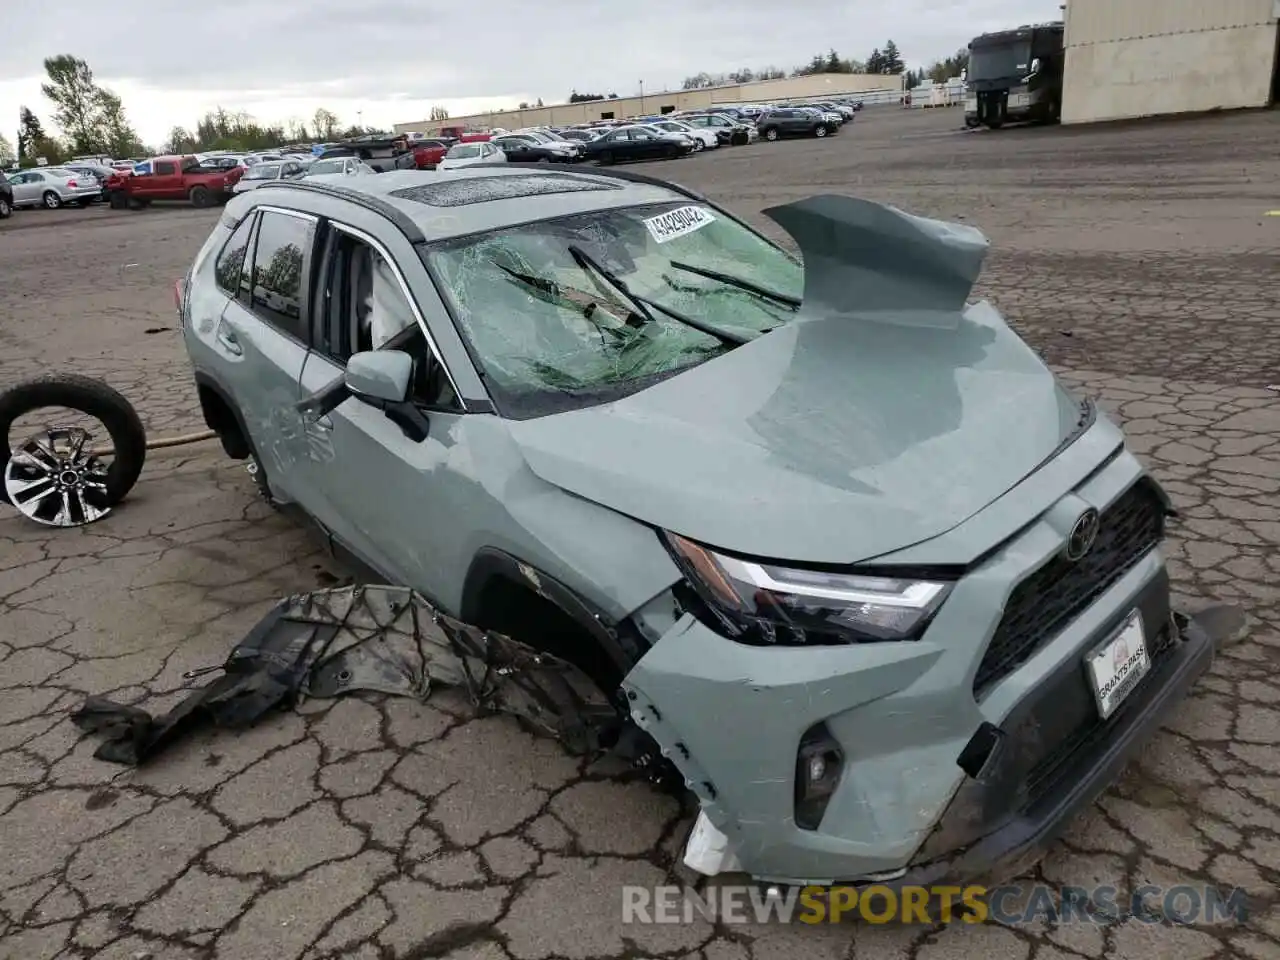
(221, 418)
(511, 608)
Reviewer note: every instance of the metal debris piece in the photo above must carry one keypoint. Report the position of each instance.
(55, 478)
(365, 638)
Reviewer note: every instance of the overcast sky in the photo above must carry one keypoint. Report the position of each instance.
(390, 60)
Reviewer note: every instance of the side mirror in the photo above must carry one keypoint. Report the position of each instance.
(382, 376)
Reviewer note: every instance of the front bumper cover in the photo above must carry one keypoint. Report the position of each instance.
(911, 815)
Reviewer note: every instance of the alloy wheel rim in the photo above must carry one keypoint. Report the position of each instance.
(55, 479)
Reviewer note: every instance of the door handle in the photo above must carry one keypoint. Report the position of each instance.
(230, 341)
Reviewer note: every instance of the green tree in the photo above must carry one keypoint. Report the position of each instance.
(892, 59)
(76, 100)
(33, 142)
(770, 73)
(576, 97)
(940, 71)
(116, 136)
(7, 152)
(439, 113)
(698, 81)
(326, 124)
(875, 62)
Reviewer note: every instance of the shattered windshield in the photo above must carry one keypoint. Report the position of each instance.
(552, 330)
(1000, 62)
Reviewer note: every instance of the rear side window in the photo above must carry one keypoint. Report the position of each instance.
(163, 167)
(281, 268)
(229, 271)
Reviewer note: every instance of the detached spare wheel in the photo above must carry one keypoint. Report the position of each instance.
(73, 448)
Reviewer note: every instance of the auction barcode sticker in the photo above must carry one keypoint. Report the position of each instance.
(676, 223)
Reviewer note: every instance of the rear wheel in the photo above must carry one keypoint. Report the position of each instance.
(6, 209)
(606, 157)
(51, 200)
(200, 196)
(820, 131)
(771, 133)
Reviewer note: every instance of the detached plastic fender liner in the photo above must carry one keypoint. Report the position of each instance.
(872, 262)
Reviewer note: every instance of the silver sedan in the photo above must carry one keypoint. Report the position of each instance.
(52, 187)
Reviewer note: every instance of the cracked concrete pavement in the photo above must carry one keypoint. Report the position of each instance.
(1135, 257)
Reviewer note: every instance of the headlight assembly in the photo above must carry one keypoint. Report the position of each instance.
(762, 602)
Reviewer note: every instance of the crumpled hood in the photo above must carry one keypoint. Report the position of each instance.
(857, 430)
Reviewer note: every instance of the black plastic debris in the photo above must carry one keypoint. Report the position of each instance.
(364, 638)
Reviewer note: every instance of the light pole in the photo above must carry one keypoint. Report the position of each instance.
(642, 98)
(360, 120)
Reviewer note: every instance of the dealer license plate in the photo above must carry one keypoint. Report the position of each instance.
(1020, 100)
(971, 105)
(1117, 666)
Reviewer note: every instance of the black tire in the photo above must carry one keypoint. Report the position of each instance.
(6, 208)
(820, 130)
(606, 158)
(51, 200)
(199, 196)
(90, 396)
(118, 200)
(771, 134)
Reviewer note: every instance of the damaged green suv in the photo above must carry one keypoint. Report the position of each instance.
(887, 596)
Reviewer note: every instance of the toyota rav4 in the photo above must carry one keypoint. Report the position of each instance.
(889, 597)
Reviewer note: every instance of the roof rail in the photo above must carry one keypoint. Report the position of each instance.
(374, 204)
(611, 173)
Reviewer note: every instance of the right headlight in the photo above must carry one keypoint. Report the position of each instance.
(770, 603)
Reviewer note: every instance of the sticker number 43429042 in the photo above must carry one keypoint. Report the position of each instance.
(678, 222)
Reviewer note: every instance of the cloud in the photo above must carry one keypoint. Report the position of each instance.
(393, 59)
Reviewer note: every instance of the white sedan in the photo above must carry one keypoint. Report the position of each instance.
(702, 139)
(471, 154)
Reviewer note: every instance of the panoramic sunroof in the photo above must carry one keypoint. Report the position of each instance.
(459, 193)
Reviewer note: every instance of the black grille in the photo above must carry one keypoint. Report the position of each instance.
(1049, 599)
(1050, 770)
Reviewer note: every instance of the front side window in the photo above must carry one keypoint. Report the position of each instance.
(551, 333)
(279, 271)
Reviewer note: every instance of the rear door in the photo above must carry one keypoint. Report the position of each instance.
(26, 187)
(263, 336)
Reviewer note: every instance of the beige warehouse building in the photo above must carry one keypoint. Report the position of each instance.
(1136, 58)
(792, 88)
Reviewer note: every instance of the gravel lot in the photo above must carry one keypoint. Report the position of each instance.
(1136, 257)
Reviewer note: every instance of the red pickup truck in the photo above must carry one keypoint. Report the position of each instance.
(172, 178)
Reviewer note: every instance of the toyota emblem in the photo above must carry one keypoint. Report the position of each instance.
(1083, 535)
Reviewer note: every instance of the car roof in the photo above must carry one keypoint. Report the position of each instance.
(441, 205)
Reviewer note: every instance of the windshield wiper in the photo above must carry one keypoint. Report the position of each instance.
(785, 299)
(585, 261)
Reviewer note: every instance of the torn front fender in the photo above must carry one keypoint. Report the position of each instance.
(872, 262)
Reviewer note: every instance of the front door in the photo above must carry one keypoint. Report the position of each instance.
(262, 334)
(391, 500)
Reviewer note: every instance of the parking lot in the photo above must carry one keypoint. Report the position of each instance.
(1138, 258)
